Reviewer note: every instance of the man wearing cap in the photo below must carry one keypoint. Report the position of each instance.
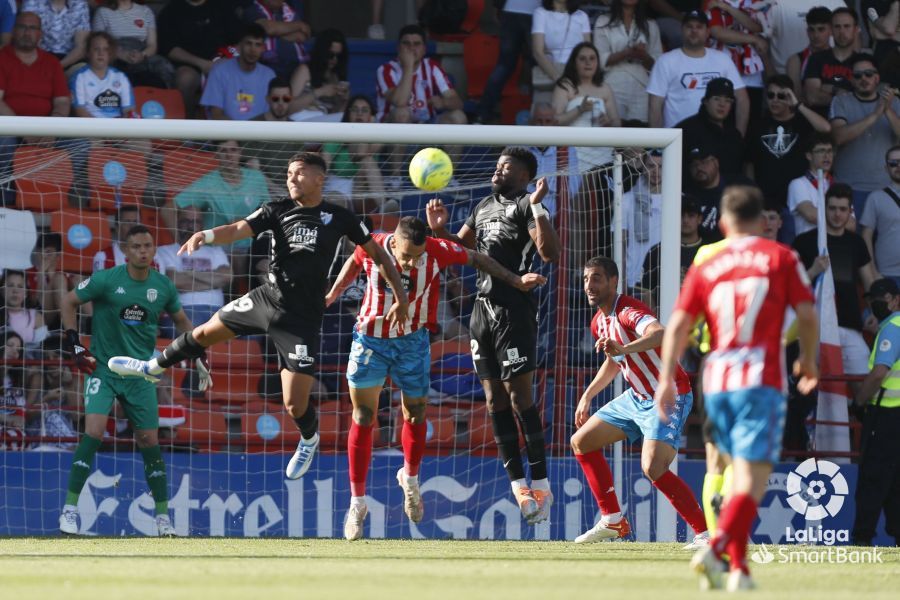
(679, 78)
(878, 486)
(706, 183)
(714, 128)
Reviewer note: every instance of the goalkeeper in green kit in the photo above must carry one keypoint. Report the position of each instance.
(128, 302)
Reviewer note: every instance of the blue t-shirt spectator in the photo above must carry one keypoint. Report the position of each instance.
(281, 55)
(240, 94)
(7, 18)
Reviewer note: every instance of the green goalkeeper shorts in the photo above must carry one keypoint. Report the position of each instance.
(137, 397)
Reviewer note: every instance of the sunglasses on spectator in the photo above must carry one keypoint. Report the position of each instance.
(284, 99)
(866, 73)
(894, 163)
(779, 95)
(334, 54)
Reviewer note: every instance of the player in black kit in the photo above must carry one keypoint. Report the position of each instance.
(306, 232)
(509, 226)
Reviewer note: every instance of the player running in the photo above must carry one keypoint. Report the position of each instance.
(381, 348)
(630, 335)
(128, 301)
(306, 233)
(742, 292)
(509, 226)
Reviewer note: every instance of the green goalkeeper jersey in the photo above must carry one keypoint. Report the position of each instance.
(126, 311)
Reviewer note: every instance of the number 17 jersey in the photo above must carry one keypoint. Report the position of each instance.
(742, 291)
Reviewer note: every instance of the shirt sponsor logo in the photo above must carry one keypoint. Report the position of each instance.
(305, 238)
(133, 315)
(513, 358)
(301, 355)
(697, 81)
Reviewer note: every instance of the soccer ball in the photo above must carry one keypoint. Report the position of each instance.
(430, 169)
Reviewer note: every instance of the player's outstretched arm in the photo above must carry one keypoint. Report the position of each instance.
(545, 237)
(438, 216)
(673, 344)
(652, 338)
(349, 273)
(399, 311)
(485, 263)
(808, 336)
(84, 360)
(605, 374)
(223, 235)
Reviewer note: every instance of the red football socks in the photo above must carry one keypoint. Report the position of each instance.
(682, 498)
(734, 530)
(359, 455)
(413, 439)
(600, 479)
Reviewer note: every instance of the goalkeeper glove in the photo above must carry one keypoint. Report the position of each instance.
(84, 360)
(205, 381)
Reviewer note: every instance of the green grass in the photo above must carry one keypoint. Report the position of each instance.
(263, 569)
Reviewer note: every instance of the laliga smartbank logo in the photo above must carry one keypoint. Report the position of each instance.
(816, 490)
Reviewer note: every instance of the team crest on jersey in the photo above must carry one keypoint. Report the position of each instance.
(152, 294)
(326, 217)
(84, 283)
(510, 211)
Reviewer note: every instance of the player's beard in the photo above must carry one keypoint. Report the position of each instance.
(504, 189)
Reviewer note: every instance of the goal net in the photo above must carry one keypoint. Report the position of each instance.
(69, 201)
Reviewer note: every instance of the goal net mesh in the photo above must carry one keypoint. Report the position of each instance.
(226, 448)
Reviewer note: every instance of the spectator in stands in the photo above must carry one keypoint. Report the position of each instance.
(17, 314)
(225, 195)
(557, 26)
(413, 88)
(278, 100)
(736, 30)
(803, 192)
(66, 25)
(582, 99)
(865, 124)
(776, 145)
(285, 33)
(7, 18)
(12, 403)
(45, 281)
(880, 220)
(884, 29)
(668, 15)
(818, 32)
(678, 79)
(787, 24)
(133, 26)
(127, 217)
(98, 89)
(830, 72)
(629, 44)
(236, 88)
(551, 163)
(327, 88)
(266, 155)
(851, 265)
(200, 277)
(190, 35)
(706, 184)
(51, 398)
(514, 19)
(642, 217)
(772, 222)
(691, 240)
(353, 171)
(713, 127)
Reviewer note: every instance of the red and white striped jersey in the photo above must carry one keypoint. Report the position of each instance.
(422, 283)
(429, 80)
(743, 291)
(745, 57)
(627, 322)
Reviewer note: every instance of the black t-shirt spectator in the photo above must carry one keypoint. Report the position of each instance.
(200, 30)
(650, 270)
(824, 65)
(777, 150)
(848, 254)
(709, 200)
(725, 142)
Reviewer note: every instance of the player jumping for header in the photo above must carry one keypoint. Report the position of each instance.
(305, 234)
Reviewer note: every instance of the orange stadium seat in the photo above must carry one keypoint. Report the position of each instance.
(441, 427)
(184, 166)
(84, 233)
(158, 103)
(237, 354)
(235, 387)
(204, 429)
(334, 423)
(269, 435)
(481, 432)
(151, 218)
(43, 178)
(116, 176)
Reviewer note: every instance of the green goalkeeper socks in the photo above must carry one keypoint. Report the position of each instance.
(81, 467)
(155, 473)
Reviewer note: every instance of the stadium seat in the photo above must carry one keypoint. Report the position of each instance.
(481, 432)
(158, 103)
(235, 387)
(277, 432)
(43, 178)
(84, 233)
(237, 355)
(116, 176)
(334, 423)
(151, 218)
(205, 430)
(184, 166)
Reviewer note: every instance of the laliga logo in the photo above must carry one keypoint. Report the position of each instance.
(807, 499)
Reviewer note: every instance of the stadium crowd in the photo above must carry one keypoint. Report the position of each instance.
(767, 93)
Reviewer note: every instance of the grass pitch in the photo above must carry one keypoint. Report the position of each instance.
(261, 569)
